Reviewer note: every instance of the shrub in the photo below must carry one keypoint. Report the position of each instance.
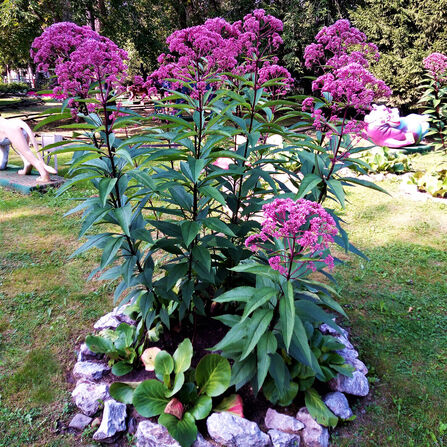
(435, 182)
(434, 99)
(13, 88)
(179, 203)
(384, 160)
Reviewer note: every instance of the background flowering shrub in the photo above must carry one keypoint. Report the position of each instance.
(434, 99)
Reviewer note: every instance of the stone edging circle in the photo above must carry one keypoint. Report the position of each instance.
(92, 375)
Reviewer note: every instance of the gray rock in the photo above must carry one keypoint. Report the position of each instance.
(357, 385)
(85, 354)
(313, 434)
(80, 421)
(338, 404)
(201, 442)
(282, 422)
(113, 319)
(348, 354)
(90, 371)
(87, 396)
(113, 421)
(153, 435)
(119, 313)
(233, 431)
(108, 321)
(325, 329)
(358, 365)
(344, 340)
(281, 439)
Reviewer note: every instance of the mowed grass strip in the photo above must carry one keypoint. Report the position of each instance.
(397, 304)
(47, 307)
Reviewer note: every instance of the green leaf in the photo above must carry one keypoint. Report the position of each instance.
(99, 344)
(267, 345)
(318, 409)
(213, 375)
(164, 364)
(213, 223)
(124, 215)
(261, 296)
(337, 189)
(287, 315)
(182, 356)
(179, 380)
(190, 229)
(213, 193)
(299, 347)
(202, 256)
(308, 183)
(149, 398)
(184, 430)
(202, 408)
(258, 325)
(122, 392)
(243, 294)
(121, 368)
(105, 186)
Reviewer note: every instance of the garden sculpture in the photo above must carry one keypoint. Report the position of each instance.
(17, 133)
(384, 127)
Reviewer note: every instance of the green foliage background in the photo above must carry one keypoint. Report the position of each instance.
(405, 31)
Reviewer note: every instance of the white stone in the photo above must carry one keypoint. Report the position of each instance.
(338, 404)
(358, 365)
(281, 439)
(313, 434)
(233, 431)
(357, 385)
(85, 354)
(87, 396)
(90, 371)
(80, 421)
(153, 435)
(108, 321)
(279, 421)
(113, 421)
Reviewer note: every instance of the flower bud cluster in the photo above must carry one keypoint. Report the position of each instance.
(305, 228)
(80, 57)
(436, 65)
(198, 53)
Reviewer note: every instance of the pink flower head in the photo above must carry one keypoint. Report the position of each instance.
(338, 45)
(436, 65)
(306, 230)
(81, 57)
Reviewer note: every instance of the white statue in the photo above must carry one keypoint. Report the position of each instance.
(18, 134)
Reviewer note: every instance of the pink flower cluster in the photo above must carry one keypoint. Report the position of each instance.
(436, 64)
(81, 57)
(338, 45)
(353, 86)
(343, 54)
(306, 230)
(198, 53)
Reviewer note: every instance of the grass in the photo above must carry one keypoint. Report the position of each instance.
(396, 303)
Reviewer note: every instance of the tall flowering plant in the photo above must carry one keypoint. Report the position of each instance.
(434, 99)
(344, 92)
(272, 341)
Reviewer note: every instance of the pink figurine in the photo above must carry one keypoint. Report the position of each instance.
(384, 127)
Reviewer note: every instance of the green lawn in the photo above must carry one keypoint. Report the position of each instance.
(397, 303)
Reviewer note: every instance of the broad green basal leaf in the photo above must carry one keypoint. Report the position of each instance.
(149, 398)
(184, 430)
(182, 356)
(213, 375)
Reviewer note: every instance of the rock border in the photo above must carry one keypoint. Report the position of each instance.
(91, 395)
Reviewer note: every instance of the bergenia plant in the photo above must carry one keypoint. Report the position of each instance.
(273, 333)
(180, 395)
(434, 99)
